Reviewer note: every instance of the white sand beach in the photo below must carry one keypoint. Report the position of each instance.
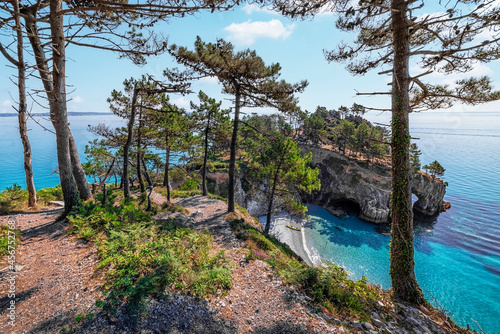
(293, 238)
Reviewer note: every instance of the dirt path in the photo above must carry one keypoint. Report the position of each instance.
(257, 301)
(53, 281)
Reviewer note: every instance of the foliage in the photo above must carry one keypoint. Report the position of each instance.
(314, 126)
(171, 207)
(214, 126)
(243, 75)
(435, 168)
(100, 162)
(328, 286)
(344, 128)
(415, 154)
(142, 257)
(189, 184)
(276, 163)
(16, 198)
(9, 197)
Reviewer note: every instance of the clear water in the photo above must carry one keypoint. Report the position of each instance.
(43, 145)
(457, 254)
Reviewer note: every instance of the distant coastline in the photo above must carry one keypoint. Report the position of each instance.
(70, 113)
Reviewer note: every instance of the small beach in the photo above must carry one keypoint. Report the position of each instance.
(293, 238)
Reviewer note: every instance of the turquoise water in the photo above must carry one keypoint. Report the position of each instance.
(43, 145)
(457, 254)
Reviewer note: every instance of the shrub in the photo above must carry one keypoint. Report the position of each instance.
(142, 257)
(189, 185)
(4, 239)
(50, 194)
(11, 197)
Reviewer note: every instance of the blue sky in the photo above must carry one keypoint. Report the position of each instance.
(297, 45)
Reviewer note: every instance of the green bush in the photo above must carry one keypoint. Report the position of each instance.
(188, 185)
(215, 166)
(11, 197)
(4, 239)
(143, 257)
(50, 194)
(184, 193)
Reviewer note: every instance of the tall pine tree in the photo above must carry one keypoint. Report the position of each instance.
(391, 34)
(242, 74)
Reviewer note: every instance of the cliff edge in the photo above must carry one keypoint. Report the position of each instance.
(368, 186)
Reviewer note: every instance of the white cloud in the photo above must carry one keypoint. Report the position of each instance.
(208, 81)
(6, 107)
(181, 102)
(478, 70)
(78, 99)
(253, 8)
(246, 33)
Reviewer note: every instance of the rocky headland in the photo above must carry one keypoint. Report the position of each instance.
(368, 186)
(344, 182)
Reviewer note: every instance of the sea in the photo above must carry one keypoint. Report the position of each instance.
(457, 253)
(43, 147)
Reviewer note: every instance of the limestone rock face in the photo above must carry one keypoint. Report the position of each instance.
(430, 192)
(342, 180)
(217, 183)
(367, 185)
(253, 198)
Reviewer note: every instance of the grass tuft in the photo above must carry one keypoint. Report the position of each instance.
(14, 198)
(4, 239)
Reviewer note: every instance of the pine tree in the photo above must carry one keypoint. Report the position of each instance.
(174, 134)
(243, 75)
(214, 124)
(275, 160)
(415, 154)
(390, 33)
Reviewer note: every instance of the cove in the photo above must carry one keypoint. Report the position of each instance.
(451, 277)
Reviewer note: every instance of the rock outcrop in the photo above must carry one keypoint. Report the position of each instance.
(251, 197)
(430, 192)
(367, 186)
(343, 181)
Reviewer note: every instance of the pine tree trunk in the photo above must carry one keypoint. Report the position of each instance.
(80, 178)
(43, 70)
(270, 206)
(146, 173)
(166, 181)
(128, 143)
(23, 107)
(59, 112)
(232, 157)
(139, 154)
(204, 171)
(402, 268)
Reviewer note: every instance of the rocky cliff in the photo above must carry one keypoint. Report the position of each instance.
(367, 186)
(343, 182)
